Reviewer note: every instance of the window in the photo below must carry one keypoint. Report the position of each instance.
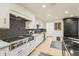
(57, 26)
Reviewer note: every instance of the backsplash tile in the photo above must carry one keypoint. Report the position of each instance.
(16, 28)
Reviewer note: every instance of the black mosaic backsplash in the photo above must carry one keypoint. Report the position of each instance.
(17, 28)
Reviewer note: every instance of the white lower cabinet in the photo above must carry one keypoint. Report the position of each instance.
(23, 50)
(30, 47)
(33, 44)
(39, 38)
(3, 51)
(16, 52)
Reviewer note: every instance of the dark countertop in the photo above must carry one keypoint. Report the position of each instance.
(9, 40)
(75, 51)
(72, 44)
(66, 48)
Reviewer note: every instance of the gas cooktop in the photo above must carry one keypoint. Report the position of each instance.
(9, 40)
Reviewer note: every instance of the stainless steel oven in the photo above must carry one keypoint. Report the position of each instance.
(12, 46)
(16, 44)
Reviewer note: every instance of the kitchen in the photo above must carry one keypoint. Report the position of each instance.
(38, 29)
(19, 35)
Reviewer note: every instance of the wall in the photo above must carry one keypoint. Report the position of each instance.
(52, 32)
(40, 22)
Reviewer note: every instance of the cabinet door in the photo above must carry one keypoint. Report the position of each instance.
(42, 37)
(27, 49)
(2, 52)
(4, 15)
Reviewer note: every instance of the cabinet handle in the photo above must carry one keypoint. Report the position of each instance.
(4, 20)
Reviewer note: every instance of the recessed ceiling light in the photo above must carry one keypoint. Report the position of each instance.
(49, 14)
(44, 6)
(56, 17)
(66, 12)
(71, 15)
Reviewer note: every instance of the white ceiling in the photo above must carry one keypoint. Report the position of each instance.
(57, 10)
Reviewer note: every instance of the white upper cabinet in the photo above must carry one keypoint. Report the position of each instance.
(4, 16)
(40, 22)
(30, 24)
